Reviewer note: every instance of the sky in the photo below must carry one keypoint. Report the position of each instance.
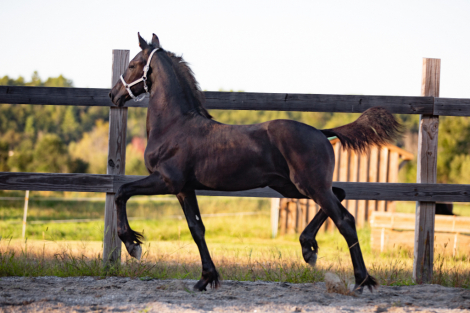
(318, 47)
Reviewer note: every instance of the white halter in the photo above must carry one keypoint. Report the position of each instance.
(142, 79)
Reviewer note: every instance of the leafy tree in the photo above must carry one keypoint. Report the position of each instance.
(453, 149)
(135, 164)
(50, 155)
(4, 157)
(92, 149)
(24, 127)
(21, 158)
(68, 122)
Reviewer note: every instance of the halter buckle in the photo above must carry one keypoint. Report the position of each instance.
(139, 98)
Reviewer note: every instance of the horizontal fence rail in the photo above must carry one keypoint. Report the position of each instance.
(354, 191)
(248, 101)
(56, 182)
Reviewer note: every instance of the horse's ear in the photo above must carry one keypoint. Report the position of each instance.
(155, 41)
(142, 43)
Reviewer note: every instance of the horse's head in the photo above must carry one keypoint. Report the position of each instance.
(133, 82)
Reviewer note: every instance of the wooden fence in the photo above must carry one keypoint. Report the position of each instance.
(393, 230)
(429, 106)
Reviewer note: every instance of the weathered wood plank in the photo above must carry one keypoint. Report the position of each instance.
(275, 206)
(362, 204)
(116, 162)
(247, 101)
(282, 216)
(383, 170)
(364, 191)
(406, 192)
(392, 175)
(110, 183)
(353, 177)
(226, 100)
(56, 182)
(426, 173)
(315, 102)
(55, 96)
(373, 176)
(452, 106)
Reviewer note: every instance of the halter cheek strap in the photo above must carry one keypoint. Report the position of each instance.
(142, 79)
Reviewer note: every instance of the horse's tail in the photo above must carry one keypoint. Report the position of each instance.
(375, 127)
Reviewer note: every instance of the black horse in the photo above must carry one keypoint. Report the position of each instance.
(188, 151)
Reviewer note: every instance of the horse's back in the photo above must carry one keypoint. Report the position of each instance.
(289, 135)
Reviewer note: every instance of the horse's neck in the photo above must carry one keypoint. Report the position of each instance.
(165, 110)
(168, 101)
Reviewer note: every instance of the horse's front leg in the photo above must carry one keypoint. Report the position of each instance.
(190, 207)
(150, 185)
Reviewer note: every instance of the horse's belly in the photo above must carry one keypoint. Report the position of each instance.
(234, 176)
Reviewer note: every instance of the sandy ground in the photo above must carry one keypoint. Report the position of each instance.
(86, 294)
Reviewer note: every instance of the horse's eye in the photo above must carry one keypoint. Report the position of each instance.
(131, 66)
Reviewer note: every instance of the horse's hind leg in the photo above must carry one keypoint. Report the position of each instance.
(150, 185)
(307, 238)
(190, 207)
(346, 225)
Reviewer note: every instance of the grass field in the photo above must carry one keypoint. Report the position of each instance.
(159, 220)
(240, 245)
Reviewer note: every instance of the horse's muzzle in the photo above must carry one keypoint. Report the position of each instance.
(116, 102)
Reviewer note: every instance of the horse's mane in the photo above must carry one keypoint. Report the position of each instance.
(184, 71)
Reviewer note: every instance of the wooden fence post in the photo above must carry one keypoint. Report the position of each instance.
(275, 205)
(427, 169)
(382, 171)
(116, 162)
(25, 213)
(373, 177)
(362, 216)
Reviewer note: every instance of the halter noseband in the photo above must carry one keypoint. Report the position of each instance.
(142, 79)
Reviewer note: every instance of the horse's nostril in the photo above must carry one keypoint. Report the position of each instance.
(110, 95)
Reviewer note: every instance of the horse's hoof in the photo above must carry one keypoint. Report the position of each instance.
(209, 278)
(200, 285)
(310, 256)
(197, 288)
(358, 289)
(309, 250)
(312, 261)
(136, 252)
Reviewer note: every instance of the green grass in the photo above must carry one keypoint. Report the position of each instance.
(245, 259)
(218, 228)
(44, 209)
(162, 220)
(240, 245)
